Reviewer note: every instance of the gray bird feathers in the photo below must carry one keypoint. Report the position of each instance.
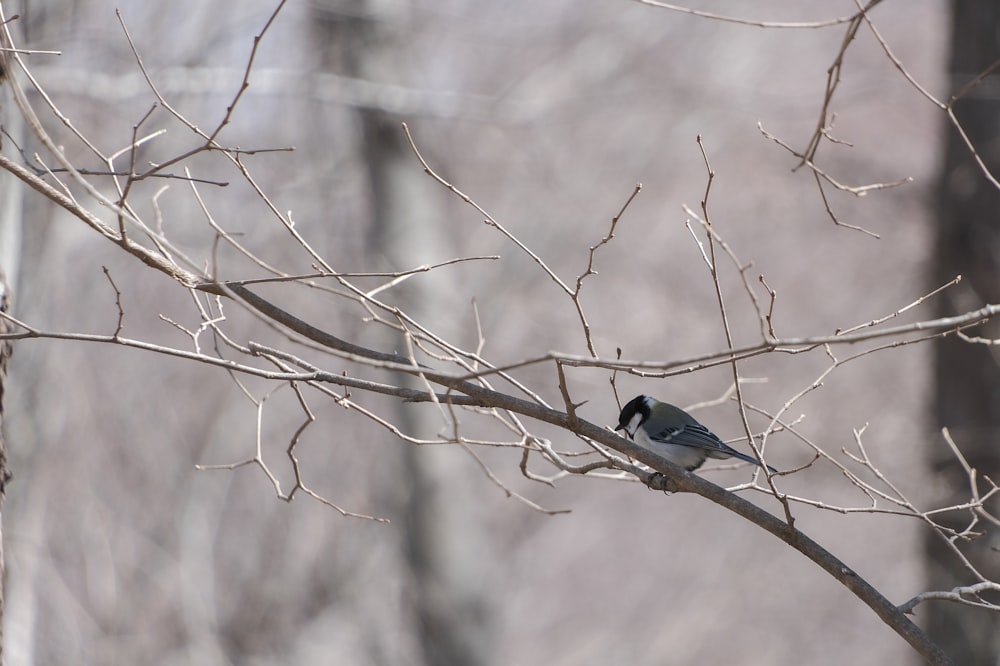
(674, 434)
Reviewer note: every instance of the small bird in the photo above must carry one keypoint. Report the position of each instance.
(674, 434)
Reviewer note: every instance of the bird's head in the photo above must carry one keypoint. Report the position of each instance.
(635, 412)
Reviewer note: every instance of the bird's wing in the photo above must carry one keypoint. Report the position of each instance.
(691, 434)
(698, 436)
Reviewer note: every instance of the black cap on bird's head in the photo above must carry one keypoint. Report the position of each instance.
(637, 405)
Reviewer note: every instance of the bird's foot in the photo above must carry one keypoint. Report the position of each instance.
(658, 481)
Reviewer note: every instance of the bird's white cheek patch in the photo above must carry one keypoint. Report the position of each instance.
(633, 426)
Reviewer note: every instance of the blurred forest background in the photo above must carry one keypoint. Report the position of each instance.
(547, 114)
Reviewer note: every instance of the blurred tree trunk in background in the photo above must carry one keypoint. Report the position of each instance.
(967, 376)
(11, 194)
(5, 349)
(440, 538)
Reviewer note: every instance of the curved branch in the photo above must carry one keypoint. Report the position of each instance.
(676, 478)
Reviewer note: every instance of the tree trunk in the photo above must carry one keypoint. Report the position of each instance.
(441, 539)
(10, 248)
(967, 376)
(5, 350)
